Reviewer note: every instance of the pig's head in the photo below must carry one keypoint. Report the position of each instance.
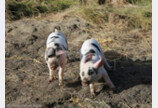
(89, 69)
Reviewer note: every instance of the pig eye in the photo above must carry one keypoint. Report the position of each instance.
(82, 73)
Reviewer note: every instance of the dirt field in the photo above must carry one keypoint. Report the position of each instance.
(129, 52)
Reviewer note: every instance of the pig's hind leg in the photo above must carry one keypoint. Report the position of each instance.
(108, 80)
(61, 70)
(62, 64)
(51, 72)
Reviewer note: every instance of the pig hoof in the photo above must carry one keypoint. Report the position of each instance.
(113, 88)
(51, 79)
(60, 84)
(93, 95)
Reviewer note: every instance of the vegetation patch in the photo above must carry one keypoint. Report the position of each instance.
(95, 15)
(18, 9)
(139, 2)
(61, 4)
(133, 16)
(137, 15)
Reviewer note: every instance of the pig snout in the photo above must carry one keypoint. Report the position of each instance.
(86, 81)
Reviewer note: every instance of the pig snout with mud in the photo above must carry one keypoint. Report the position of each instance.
(56, 54)
(93, 65)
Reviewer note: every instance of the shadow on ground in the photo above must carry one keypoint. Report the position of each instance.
(126, 72)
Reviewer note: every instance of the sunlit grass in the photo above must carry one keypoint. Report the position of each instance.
(27, 8)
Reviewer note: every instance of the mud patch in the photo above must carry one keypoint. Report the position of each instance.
(27, 73)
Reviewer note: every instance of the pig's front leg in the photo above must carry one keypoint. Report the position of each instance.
(107, 80)
(51, 73)
(91, 85)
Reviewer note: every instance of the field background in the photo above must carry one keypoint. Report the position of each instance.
(123, 28)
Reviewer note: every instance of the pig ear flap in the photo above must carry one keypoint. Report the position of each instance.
(99, 63)
(88, 57)
(60, 52)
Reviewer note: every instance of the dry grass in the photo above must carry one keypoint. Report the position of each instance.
(129, 15)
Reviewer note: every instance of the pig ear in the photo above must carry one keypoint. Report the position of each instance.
(60, 52)
(88, 57)
(99, 63)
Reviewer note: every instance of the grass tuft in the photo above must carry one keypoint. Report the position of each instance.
(96, 16)
(18, 9)
(62, 4)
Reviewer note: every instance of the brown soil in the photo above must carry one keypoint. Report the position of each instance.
(129, 52)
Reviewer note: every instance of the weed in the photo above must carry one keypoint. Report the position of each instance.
(61, 4)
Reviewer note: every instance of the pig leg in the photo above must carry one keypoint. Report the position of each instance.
(62, 63)
(61, 70)
(51, 73)
(107, 80)
(84, 83)
(91, 85)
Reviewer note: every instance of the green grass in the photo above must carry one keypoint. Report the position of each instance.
(136, 16)
(62, 4)
(139, 15)
(16, 10)
(95, 15)
(139, 2)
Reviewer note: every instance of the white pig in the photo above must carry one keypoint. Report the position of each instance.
(56, 54)
(92, 65)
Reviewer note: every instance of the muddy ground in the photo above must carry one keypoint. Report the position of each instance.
(129, 52)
